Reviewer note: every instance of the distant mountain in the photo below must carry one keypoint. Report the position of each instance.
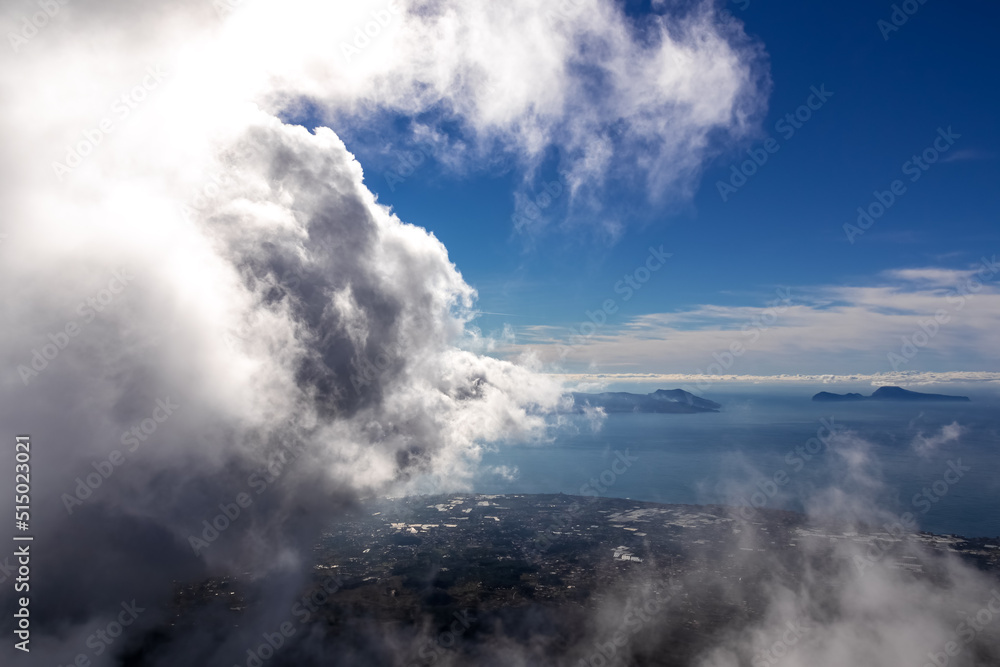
(827, 396)
(887, 394)
(675, 401)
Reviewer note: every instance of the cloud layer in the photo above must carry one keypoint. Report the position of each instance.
(927, 321)
(640, 103)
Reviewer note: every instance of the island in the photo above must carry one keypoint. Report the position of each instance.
(888, 394)
(671, 401)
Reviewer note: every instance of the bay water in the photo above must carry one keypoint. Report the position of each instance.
(938, 461)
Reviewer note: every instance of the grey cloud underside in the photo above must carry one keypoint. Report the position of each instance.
(280, 271)
(353, 322)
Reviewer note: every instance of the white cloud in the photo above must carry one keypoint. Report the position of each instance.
(938, 326)
(931, 276)
(614, 96)
(855, 601)
(595, 381)
(924, 445)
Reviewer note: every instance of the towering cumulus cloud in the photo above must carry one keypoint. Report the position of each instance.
(214, 333)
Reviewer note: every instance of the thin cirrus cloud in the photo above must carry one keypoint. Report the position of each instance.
(932, 276)
(948, 316)
(968, 154)
(594, 381)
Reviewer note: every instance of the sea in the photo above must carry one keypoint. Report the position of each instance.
(938, 461)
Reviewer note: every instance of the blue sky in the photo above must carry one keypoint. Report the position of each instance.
(888, 99)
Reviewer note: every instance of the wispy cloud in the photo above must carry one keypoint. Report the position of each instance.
(924, 445)
(596, 381)
(637, 101)
(951, 314)
(966, 155)
(932, 276)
